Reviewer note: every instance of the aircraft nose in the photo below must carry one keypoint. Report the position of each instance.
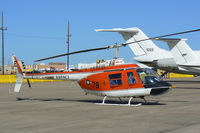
(159, 90)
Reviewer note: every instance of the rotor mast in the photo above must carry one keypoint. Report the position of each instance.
(116, 53)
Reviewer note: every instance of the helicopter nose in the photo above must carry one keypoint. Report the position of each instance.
(159, 90)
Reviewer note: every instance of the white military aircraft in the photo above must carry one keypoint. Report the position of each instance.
(185, 58)
(148, 53)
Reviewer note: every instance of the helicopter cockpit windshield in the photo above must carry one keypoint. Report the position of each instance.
(150, 78)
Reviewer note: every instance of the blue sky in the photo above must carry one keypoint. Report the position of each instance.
(38, 28)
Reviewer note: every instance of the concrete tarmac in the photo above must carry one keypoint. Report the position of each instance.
(62, 107)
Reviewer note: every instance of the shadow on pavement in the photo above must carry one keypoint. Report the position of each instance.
(89, 101)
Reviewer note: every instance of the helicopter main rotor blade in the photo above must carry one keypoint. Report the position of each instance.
(76, 52)
(116, 45)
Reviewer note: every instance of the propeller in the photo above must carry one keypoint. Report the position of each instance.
(24, 67)
(115, 45)
(29, 84)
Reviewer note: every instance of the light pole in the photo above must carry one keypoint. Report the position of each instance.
(2, 28)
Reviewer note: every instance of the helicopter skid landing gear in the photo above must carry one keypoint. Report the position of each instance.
(129, 103)
(142, 97)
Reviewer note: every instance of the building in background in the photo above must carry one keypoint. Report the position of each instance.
(9, 69)
(50, 67)
(100, 63)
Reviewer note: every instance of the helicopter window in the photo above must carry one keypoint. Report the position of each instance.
(148, 76)
(131, 78)
(157, 75)
(115, 79)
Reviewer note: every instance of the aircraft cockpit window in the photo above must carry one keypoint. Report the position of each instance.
(131, 78)
(115, 79)
(156, 74)
(148, 76)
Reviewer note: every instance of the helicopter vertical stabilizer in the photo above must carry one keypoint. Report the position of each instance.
(19, 74)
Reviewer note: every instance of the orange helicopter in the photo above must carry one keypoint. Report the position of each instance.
(128, 80)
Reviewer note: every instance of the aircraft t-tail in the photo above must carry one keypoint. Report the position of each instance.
(147, 52)
(185, 58)
(118, 81)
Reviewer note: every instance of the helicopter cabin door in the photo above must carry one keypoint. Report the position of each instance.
(133, 80)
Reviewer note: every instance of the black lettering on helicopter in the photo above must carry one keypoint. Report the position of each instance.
(95, 84)
(49, 77)
(150, 49)
(61, 77)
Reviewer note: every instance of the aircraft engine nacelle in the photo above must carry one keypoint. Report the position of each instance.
(167, 62)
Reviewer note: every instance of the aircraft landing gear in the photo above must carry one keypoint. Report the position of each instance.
(142, 97)
(129, 103)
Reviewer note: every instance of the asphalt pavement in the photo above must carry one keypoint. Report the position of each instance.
(63, 107)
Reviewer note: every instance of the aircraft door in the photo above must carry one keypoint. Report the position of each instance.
(131, 79)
